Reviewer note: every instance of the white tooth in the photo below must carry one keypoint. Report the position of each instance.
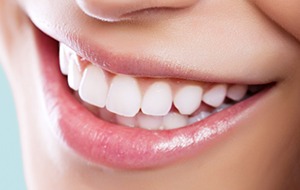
(63, 59)
(126, 121)
(74, 75)
(215, 96)
(202, 115)
(149, 122)
(193, 120)
(124, 96)
(188, 99)
(237, 92)
(174, 120)
(157, 99)
(93, 88)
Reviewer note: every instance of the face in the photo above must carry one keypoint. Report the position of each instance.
(174, 94)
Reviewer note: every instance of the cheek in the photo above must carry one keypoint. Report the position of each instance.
(54, 17)
(284, 13)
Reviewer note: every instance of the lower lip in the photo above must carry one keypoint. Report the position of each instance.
(111, 145)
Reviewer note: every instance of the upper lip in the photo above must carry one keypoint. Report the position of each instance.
(153, 67)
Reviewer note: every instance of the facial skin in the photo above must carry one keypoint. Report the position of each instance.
(225, 39)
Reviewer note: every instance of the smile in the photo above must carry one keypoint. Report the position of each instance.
(149, 103)
(135, 122)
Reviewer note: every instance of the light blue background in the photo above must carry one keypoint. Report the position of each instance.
(11, 173)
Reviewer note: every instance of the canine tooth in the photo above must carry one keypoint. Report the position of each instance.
(215, 96)
(93, 88)
(174, 120)
(124, 96)
(237, 92)
(188, 99)
(126, 121)
(202, 115)
(149, 122)
(74, 75)
(157, 99)
(63, 58)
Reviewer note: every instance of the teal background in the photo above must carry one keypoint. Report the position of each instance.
(11, 172)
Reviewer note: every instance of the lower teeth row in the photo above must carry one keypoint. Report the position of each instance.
(172, 120)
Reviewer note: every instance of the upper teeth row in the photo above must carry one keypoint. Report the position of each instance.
(126, 96)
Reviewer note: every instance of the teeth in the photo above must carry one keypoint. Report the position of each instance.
(188, 99)
(127, 121)
(199, 117)
(118, 98)
(74, 75)
(215, 96)
(237, 92)
(157, 99)
(63, 59)
(149, 122)
(174, 120)
(93, 88)
(124, 96)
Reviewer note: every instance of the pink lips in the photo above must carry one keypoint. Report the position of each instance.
(117, 146)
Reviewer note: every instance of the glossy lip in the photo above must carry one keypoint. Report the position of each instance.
(107, 144)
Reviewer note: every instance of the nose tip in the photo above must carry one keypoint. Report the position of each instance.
(113, 10)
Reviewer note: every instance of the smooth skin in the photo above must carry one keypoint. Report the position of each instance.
(225, 38)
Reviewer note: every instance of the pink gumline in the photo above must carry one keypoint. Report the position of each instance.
(118, 146)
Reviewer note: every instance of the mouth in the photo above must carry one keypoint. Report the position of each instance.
(147, 103)
(124, 121)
